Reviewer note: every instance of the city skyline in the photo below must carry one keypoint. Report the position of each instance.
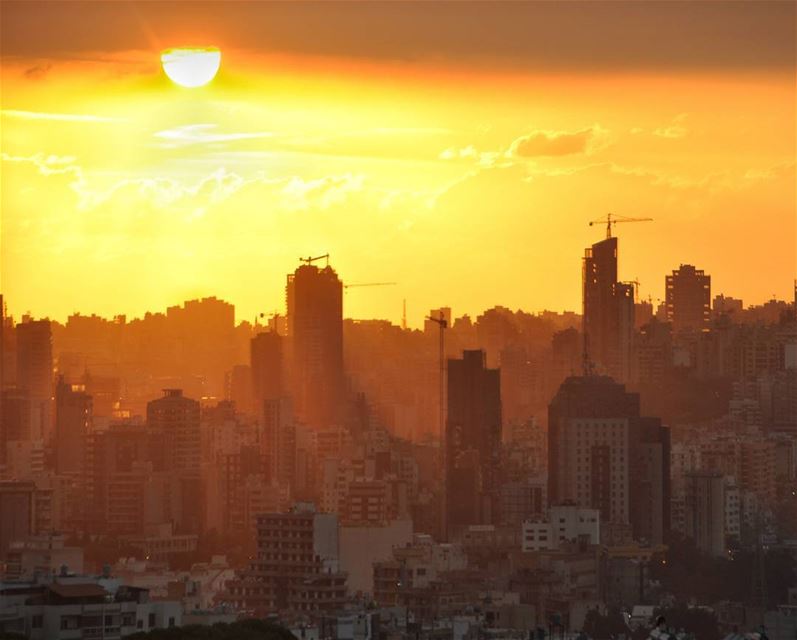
(404, 167)
(321, 320)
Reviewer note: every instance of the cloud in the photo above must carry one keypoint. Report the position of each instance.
(674, 130)
(38, 71)
(545, 142)
(62, 117)
(203, 133)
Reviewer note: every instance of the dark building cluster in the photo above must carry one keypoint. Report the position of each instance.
(512, 475)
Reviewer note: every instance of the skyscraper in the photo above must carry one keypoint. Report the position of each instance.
(603, 455)
(688, 298)
(35, 373)
(608, 307)
(315, 327)
(3, 434)
(473, 440)
(174, 422)
(73, 413)
(266, 365)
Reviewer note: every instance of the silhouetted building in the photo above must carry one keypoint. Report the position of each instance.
(726, 305)
(25, 510)
(266, 364)
(653, 353)
(122, 491)
(473, 441)
(603, 455)
(239, 387)
(16, 414)
(73, 417)
(35, 373)
(688, 298)
(608, 311)
(3, 436)
(315, 327)
(279, 441)
(175, 421)
(704, 511)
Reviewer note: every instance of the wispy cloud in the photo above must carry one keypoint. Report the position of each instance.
(674, 130)
(62, 117)
(203, 133)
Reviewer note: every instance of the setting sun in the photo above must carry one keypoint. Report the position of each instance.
(191, 66)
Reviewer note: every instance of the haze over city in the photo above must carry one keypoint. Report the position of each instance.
(455, 149)
(398, 320)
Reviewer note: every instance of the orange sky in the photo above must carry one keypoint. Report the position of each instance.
(459, 161)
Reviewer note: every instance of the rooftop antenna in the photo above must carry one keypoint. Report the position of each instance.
(404, 314)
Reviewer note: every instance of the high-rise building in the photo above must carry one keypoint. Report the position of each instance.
(603, 455)
(688, 298)
(25, 510)
(3, 436)
(35, 373)
(704, 511)
(118, 479)
(473, 441)
(173, 422)
(266, 366)
(73, 417)
(278, 444)
(608, 307)
(315, 327)
(175, 419)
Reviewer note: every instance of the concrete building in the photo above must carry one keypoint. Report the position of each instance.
(296, 568)
(25, 510)
(603, 455)
(266, 364)
(608, 311)
(35, 374)
(175, 419)
(315, 328)
(705, 511)
(565, 523)
(73, 420)
(688, 298)
(44, 555)
(473, 441)
(362, 546)
(81, 607)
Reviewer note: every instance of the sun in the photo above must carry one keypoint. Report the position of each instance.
(191, 66)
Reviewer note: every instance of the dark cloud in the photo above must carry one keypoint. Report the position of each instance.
(552, 143)
(38, 71)
(544, 36)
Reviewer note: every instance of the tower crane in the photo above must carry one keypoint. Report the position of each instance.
(311, 260)
(609, 219)
(368, 284)
(443, 324)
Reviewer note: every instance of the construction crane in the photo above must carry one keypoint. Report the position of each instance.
(611, 219)
(368, 284)
(311, 260)
(443, 324)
